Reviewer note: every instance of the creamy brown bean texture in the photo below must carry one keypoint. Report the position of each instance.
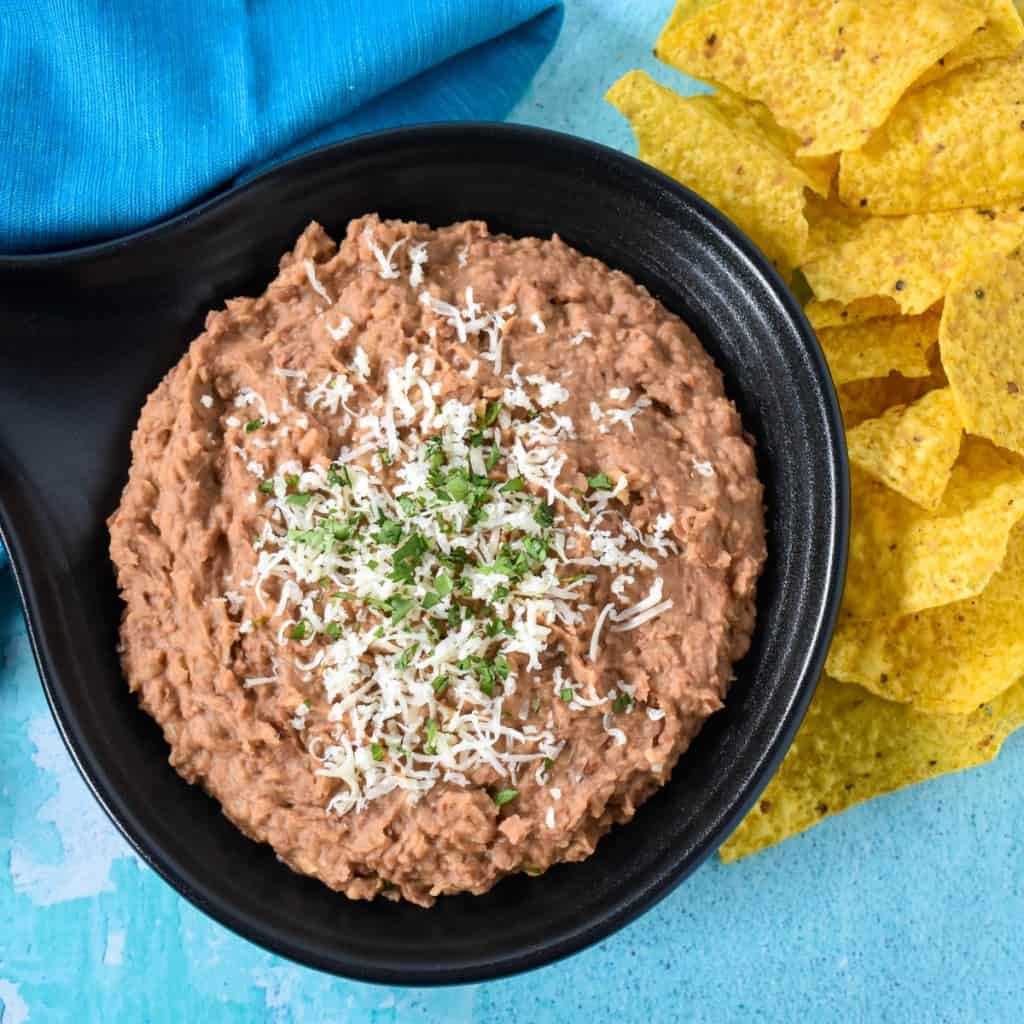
(436, 556)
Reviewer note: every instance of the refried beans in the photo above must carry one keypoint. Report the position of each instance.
(436, 556)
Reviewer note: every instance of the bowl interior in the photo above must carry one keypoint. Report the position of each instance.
(86, 335)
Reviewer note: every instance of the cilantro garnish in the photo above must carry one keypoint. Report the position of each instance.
(377, 751)
(253, 425)
(299, 631)
(622, 703)
(504, 796)
(267, 486)
(513, 486)
(431, 745)
(600, 482)
(402, 662)
(299, 499)
(490, 414)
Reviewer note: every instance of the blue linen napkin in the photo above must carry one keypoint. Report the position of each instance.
(114, 115)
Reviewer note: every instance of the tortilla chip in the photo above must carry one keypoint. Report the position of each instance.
(853, 746)
(911, 259)
(1002, 33)
(733, 164)
(875, 348)
(755, 119)
(828, 70)
(957, 142)
(835, 314)
(862, 400)
(981, 341)
(945, 660)
(904, 559)
(911, 448)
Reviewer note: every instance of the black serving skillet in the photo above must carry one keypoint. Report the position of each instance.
(85, 335)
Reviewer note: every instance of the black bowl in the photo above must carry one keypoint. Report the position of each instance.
(86, 335)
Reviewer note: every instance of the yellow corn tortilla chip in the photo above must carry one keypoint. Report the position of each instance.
(853, 746)
(835, 314)
(862, 400)
(910, 259)
(1001, 34)
(904, 559)
(911, 448)
(981, 340)
(732, 163)
(756, 120)
(874, 348)
(944, 660)
(957, 142)
(828, 70)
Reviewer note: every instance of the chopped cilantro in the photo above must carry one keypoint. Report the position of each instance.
(439, 685)
(443, 584)
(600, 482)
(505, 795)
(267, 486)
(513, 486)
(622, 703)
(253, 425)
(548, 764)
(492, 458)
(338, 476)
(431, 744)
(377, 751)
(430, 599)
(530, 870)
(566, 693)
(400, 607)
(299, 499)
(299, 631)
(536, 548)
(291, 480)
(390, 532)
(490, 414)
(333, 630)
(402, 662)
(545, 515)
(385, 456)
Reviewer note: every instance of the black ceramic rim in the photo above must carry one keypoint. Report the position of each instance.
(819, 619)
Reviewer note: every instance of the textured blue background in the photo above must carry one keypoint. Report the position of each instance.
(903, 910)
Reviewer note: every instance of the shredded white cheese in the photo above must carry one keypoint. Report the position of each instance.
(418, 574)
(314, 281)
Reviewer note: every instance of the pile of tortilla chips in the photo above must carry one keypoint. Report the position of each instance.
(874, 150)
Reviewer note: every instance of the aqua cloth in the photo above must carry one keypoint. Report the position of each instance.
(114, 115)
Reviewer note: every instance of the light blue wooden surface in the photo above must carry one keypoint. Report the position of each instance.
(905, 910)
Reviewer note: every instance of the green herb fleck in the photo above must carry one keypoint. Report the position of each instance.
(333, 630)
(253, 425)
(299, 631)
(513, 486)
(431, 744)
(622, 703)
(439, 685)
(566, 694)
(267, 487)
(377, 751)
(299, 499)
(505, 795)
(600, 482)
